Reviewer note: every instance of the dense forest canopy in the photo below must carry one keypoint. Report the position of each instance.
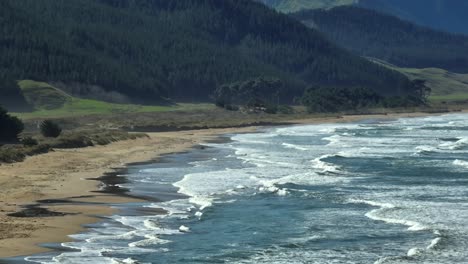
(10, 126)
(150, 50)
(11, 96)
(374, 34)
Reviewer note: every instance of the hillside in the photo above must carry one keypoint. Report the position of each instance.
(445, 85)
(446, 15)
(374, 34)
(152, 50)
(290, 6)
(48, 101)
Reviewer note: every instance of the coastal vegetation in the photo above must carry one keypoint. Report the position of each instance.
(50, 129)
(260, 92)
(10, 127)
(34, 143)
(336, 99)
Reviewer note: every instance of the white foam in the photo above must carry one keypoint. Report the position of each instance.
(425, 149)
(458, 145)
(199, 214)
(461, 163)
(372, 203)
(293, 146)
(152, 224)
(334, 140)
(378, 215)
(412, 225)
(150, 240)
(202, 201)
(325, 167)
(184, 229)
(283, 192)
(125, 261)
(434, 243)
(413, 252)
(124, 236)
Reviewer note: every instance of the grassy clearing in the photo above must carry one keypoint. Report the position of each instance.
(446, 86)
(51, 102)
(442, 82)
(457, 97)
(43, 96)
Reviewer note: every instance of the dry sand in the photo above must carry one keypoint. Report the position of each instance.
(62, 174)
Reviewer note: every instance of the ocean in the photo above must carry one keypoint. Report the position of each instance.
(375, 191)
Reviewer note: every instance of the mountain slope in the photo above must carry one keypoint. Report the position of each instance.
(446, 15)
(152, 49)
(374, 34)
(442, 83)
(289, 6)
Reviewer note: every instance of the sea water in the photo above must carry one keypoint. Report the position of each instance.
(376, 191)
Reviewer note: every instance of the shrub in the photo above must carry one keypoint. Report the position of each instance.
(73, 141)
(230, 107)
(10, 126)
(271, 109)
(10, 155)
(50, 129)
(285, 109)
(39, 149)
(29, 142)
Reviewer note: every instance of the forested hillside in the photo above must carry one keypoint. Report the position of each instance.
(373, 34)
(150, 50)
(446, 15)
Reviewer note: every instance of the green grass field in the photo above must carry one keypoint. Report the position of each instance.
(446, 86)
(457, 97)
(51, 102)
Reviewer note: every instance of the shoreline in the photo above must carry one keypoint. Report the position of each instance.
(71, 178)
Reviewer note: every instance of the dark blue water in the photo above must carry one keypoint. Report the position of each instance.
(370, 192)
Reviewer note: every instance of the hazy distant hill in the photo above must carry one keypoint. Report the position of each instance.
(148, 50)
(289, 6)
(373, 34)
(447, 15)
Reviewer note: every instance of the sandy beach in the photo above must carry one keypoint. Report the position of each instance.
(62, 174)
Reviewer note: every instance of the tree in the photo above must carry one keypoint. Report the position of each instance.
(10, 126)
(257, 92)
(420, 89)
(335, 99)
(50, 129)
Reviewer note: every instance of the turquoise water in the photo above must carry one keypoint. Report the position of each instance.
(368, 192)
